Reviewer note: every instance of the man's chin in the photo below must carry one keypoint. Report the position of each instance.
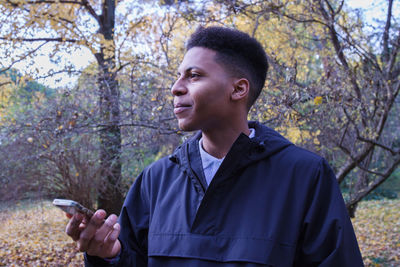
(186, 127)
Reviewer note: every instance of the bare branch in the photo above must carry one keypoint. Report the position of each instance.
(385, 55)
(23, 57)
(393, 152)
(393, 55)
(53, 2)
(370, 171)
(375, 184)
(59, 39)
(344, 133)
(353, 162)
(331, 10)
(5, 83)
(91, 11)
(300, 20)
(334, 36)
(339, 8)
(50, 74)
(253, 34)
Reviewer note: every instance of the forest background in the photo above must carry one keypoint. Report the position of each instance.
(332, 88)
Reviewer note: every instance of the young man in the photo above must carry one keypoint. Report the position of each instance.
(237, 193)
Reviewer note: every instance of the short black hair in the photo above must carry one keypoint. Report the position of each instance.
(238, 52)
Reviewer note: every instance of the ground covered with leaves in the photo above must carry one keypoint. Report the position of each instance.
(32, 234)
(377, 226)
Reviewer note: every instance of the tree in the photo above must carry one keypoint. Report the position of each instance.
(334, 85)
(369, 73)
(70, 25)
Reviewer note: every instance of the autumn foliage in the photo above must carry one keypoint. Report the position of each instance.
(377, 228)
(33, 235)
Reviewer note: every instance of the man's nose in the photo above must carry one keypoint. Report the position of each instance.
(179, 88)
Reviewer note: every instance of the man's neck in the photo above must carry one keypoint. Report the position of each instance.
(217, 142)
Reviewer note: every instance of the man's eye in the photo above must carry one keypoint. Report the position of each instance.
(194, 75)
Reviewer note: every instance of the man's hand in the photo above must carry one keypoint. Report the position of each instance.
(96, 237)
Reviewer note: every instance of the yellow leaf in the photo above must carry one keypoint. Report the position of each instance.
(318, 100)
(316, 141)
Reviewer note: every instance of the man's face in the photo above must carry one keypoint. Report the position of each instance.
(202, 91)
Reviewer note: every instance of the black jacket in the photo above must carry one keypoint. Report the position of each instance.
(269, 204)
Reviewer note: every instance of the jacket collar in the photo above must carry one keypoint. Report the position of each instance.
(243, 151)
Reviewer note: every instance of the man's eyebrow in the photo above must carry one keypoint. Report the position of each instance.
(188, 69)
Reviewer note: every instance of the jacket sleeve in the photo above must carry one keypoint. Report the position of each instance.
(327, 237)
(134, 220)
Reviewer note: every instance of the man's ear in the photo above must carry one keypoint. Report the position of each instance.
(241, 89)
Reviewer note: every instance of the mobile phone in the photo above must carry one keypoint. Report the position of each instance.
(72, 207)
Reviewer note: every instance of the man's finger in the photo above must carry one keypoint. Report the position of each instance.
(113, 236)
(105, 229)
(99, 245)
(89, 232)
(112, 243)
(72, 228)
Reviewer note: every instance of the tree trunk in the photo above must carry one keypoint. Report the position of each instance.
(361, 183)
(110, 197)
(351, 209)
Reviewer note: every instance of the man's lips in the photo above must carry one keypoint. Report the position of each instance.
(181, 107)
